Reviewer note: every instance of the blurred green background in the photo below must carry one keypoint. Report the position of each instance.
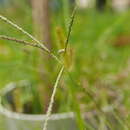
(100, 43)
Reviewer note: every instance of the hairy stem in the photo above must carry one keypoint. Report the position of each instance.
(52, 98)
(70, 29)
(30, 36)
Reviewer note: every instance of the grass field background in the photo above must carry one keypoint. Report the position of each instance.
(98, 65)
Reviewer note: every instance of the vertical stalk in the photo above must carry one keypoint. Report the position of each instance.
(66, 12)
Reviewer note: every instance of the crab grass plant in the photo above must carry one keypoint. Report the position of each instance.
(64, 61)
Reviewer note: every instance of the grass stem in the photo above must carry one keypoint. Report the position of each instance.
(52, 98)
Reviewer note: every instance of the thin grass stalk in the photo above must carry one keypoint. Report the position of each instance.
(23, 31)
(30, 36)
(70, 28)
(23, 42)
(28, 44)
(49, 111)
(43, 47)
(59, 75)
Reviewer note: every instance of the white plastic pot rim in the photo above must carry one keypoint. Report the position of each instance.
(21, 116)
(39, 117)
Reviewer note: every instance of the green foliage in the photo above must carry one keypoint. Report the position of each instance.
(97, 65)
